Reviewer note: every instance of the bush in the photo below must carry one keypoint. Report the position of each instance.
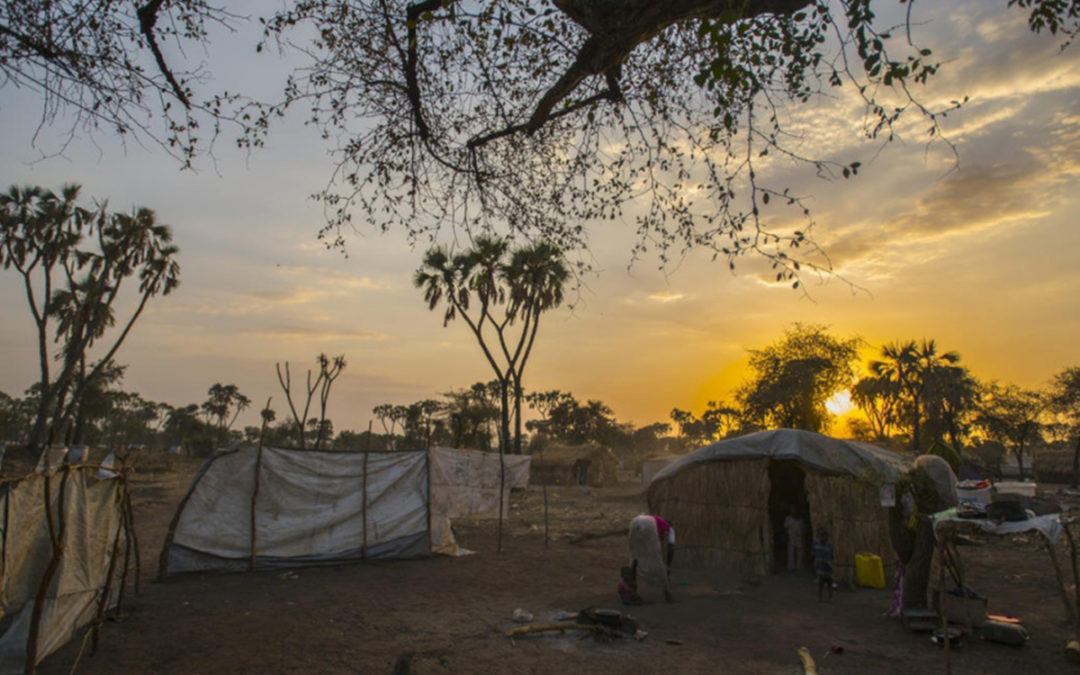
(946, 453)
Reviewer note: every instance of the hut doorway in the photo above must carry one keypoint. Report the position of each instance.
(580, 472)
(787, 497)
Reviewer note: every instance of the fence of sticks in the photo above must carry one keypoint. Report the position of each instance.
(68, 550)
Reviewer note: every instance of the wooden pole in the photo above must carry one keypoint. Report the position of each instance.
(543, 486)
(963, 587)
(1076, 577)
(103, 604)
(951, 557)
(427, 458)
(128, 513)
(1061, 580)
(502, 487)
(363, 504)
(255, 493)
(944, 612)
(56, 533)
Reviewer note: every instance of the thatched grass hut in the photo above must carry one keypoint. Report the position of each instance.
(728, 500)
(591, 464)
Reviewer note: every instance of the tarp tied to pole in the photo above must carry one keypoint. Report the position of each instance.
(311, 508)
(87, 518)
(465, 484)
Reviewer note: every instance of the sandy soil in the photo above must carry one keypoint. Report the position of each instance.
(443, 615)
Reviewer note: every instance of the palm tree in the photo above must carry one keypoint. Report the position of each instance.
(878, 397)
(73, 263)
(951, 395)
(474, 285)
(929, 364)
(911, 367)
(898, 367)
(535, 277)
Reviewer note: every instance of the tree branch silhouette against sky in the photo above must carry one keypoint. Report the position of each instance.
(971, 252)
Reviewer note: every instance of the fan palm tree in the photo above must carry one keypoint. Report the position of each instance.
(535, 276)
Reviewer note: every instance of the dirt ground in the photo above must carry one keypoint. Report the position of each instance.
(444, 615)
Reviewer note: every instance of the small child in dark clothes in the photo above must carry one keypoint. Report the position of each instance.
(628, 586)
(823, 564)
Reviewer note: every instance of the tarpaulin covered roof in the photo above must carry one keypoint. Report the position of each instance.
(831, 455)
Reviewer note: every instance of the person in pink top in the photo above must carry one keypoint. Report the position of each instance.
(652, 548)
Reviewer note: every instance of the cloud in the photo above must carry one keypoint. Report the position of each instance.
(313, 333)
(664, 297)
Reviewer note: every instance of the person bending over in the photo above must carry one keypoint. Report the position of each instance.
(652, 549)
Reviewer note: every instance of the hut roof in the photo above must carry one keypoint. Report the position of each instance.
(830, 455)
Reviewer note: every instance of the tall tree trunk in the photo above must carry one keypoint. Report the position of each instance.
(954, 437)
(916, 414)
(1076, 464)
(517, 416)
(504, 444)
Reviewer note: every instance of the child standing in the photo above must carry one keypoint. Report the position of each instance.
(823, 563)
(793, 527)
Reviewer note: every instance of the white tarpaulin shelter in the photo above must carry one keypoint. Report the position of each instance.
(89, 524)
(325, 508)
(305, 508)
(465, 484)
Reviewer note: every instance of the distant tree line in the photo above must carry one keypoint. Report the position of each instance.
(913, 397)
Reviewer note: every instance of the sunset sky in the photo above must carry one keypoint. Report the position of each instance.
(982, 256)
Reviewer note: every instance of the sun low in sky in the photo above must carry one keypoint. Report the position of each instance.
(976, 250)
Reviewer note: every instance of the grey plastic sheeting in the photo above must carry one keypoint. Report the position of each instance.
(190, 560)
(312, 508)
(830, 455)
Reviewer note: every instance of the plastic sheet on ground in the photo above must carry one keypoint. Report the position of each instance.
(1049, 524)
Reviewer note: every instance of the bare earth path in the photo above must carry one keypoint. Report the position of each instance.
(443, 615)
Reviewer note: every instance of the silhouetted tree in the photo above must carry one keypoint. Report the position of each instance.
(919, 371)
(950, 403)
(1012, 416)
(1065, 403)
(73, 263)
(224, 405)
(796, 376)
(717, 421)
(390, 416)
(878, 397)
(469, 414)
(329, 370)
(594, 106)
(500, 293)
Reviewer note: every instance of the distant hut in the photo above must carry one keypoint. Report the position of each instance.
(728, 500)
(652, 466)
(592, 464)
